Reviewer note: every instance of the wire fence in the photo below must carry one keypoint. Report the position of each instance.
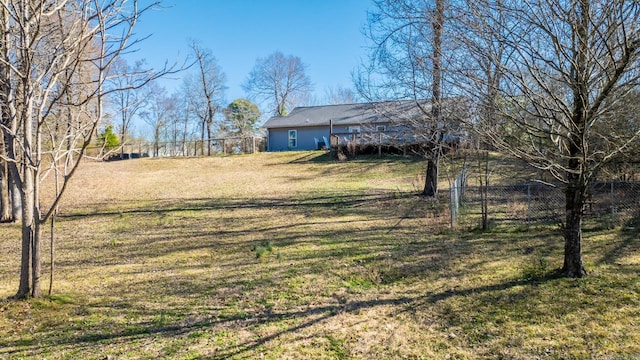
(456, 192)
(224, 146)
(608, 204)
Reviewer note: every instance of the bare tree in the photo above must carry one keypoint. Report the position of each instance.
(9, 192)
(205, 88)
(131, 97)
(279, 80)
(158, 114)
(406, 64)
(479, 66)
(178, 124)
(184, 119)
(340, 95)
(57, 54)
(565, 72)
(624, 166)
(437, 24)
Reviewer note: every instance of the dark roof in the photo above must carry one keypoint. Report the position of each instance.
(364, 113)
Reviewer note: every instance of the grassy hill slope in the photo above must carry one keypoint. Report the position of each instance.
(292, 255)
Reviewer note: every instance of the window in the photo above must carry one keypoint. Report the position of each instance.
(381, 128)
(293, 138)
(354, 129)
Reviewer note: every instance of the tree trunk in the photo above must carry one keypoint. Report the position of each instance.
(70, 136)
(202, 127)
(576, 183)
(28, 179)
(575, 197)
(28, 223)
(52, 250)
(209, 137)
(123, 132)
(36, 260)
(16, 198)
(13, 174)
(36, 252)
(6, 215)
(25, 261)
(5, 199)
(431, 181)
(185, 147)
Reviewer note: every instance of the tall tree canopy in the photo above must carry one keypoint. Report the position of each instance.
(280, 80)
(108, 139)
(241, 117)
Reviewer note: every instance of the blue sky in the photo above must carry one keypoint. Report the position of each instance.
(325, 34)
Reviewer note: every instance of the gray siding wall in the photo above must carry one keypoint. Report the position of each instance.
(279, 138)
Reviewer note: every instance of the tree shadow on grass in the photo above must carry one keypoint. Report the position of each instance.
(381, 236)
(319, 157)
(313, 201)
(404, 304)
(78, 336)
(339, 216)
(381, 230)
(627, 242)
(323, 157)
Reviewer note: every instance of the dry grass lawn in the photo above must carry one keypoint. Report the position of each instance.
(294, 256)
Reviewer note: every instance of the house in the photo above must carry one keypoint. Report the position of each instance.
(322, 127)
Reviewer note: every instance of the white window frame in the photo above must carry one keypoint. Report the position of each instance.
(354, 129)
(381, 128)
(292, 136)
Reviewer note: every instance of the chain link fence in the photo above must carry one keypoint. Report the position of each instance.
(608, 204)
(221, 146)
(456, 193)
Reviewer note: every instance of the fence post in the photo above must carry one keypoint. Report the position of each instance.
(452, 202)
(613, 207)
(528, 202)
